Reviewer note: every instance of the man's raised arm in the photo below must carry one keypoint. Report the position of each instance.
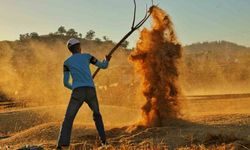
(104, 64)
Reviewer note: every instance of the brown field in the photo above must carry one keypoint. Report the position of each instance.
(151, 78)
(209, 122)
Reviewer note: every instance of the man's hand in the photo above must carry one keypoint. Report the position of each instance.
(108, 57)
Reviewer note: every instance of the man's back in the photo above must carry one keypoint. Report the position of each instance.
(78, 66)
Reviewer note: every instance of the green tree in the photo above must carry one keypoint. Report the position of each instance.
(97, 39)
(33, 35)
(28, 36)
(90, 35)
(21, 37)
(72, 33)
(105, 38)
(80, 35)
(61, 30)
(51, 34)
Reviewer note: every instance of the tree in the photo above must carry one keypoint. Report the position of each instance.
(98, 40)
(22, 37)
(28, 36)
(61, 30)
(33, 35)
(125, 44)
(80, 35)
(90, 35)
(105, 38)
(72, 33)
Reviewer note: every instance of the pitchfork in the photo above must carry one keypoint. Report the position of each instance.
(133, 28)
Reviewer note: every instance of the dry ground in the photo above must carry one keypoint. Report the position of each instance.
(210, 122)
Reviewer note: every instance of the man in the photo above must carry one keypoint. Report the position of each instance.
(77, 65)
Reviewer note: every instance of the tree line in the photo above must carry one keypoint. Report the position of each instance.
(63, 32)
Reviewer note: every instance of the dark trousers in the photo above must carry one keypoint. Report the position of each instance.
(78, 96)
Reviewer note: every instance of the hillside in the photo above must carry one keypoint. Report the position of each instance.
(225, 53)
(33, 68)
(217, 67)
(215, 46)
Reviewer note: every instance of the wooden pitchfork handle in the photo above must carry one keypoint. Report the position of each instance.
(133, 28)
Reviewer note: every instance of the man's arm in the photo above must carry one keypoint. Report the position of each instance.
(66, 77)
(104, 64)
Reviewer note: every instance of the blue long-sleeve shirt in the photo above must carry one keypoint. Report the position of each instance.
(77, 66)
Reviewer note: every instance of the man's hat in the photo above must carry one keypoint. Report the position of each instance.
(72, 42)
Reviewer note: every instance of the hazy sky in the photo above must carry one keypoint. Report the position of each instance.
(195, 20)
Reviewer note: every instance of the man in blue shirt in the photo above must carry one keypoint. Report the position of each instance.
(77, 65)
